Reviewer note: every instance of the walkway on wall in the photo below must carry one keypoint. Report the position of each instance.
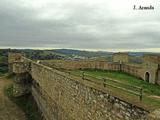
(130, 89)
(8, 109)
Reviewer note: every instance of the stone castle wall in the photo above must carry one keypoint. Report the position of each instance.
(13, 57)
(75, 64)
(152, 58)
(151, 65)
(62, 97)
(94, 64)
(121, 57)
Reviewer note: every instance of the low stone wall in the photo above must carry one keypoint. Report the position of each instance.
(94, 64)
(62, 97)
(75, 64)
(132, 69)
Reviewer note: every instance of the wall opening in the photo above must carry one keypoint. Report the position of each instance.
(158, 76)
(147, 77)
(158, 79)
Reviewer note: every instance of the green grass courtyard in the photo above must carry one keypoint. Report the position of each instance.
(151, 92)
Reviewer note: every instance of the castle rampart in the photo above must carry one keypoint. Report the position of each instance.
(149, 70)
(61, 96)
(72, 98)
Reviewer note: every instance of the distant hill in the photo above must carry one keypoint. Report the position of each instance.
(67, 51)
(140, 54)
(71, 53)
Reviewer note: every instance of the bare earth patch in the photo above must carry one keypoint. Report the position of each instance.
(8, 109)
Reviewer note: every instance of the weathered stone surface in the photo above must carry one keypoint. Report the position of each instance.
(150, 65)
(80, 101)
(61, 96)
(155, 115)
(121, 57)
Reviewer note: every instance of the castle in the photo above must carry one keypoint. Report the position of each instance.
(61, 96)
(148, 70)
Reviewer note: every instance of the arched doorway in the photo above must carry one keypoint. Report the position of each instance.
(147, 77)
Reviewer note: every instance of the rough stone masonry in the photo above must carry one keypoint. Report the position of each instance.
(61, 96)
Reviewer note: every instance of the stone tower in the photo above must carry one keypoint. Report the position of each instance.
(120, 57)
(22, 78)
(151, 67)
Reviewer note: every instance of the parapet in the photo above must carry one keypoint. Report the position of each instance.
(14, 57)
(19, 65)
(121, 57)
(151, 58)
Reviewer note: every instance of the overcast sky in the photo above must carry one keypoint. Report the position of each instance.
(82, 24)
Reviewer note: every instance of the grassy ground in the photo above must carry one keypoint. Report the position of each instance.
(26, 103)
(151, 92)
(8, 109)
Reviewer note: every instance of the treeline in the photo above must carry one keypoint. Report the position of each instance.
(87, 54)
(32, 54)
(4, 61)
(42, 54)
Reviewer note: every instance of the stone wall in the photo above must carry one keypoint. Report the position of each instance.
(138, 70)
(132, 69)
(151, 65)
(91, 64)
(13, 57)
(62, 97)
(75, 64)
(152, 58)
(121, 57)
(22, 83)
(158, 76)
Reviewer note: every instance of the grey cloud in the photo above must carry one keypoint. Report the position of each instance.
(84, 27)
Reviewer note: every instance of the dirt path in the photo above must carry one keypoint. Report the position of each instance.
(154, 96)
(8, 109)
